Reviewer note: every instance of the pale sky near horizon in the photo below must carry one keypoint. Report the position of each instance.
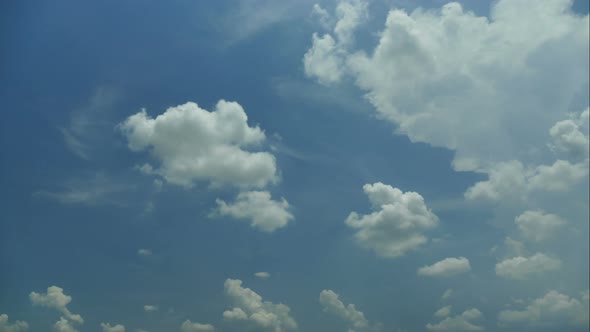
(276, 166)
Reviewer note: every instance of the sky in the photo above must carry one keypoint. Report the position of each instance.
(275, 166)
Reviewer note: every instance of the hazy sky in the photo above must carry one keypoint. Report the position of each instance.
(257, 165)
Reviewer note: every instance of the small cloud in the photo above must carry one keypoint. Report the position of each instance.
(447, 267)
(262, 275)
(150, 308)
(144, 252)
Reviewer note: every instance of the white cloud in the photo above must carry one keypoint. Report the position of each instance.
(188, 326)
(463, 322)
(144, 252)
(192, 145)
(552, 310)
(63, 325)
(106, 327)
(55, 299)
(250, 307)
(538, 225)
(322, 16)
(323, 60)
(443, 312)
(446, 267)
(150, 308)
(257, 207)
(521, 268)
(262, 275)
(17, 326)
(350, 14)
(447, 294)
(571, 136)
(331, 303)
(433, 71)
(397, 224)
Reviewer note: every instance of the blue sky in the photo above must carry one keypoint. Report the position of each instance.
(390, 166)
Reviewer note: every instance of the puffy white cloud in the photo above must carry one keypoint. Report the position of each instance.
(106, 327)
(463, 322)
(537, 225)
(250, 307)
(55, 299)
(257, 207)
(262, 275)
(350, 14)
(188, 326)
(323, 60)
(63, 325)
(446, 267)
(322, 15)
(552, 310)
(521, 268)
(17, 326)
(331, 303)
(150, 308)
(443, 312)
(571, 136)
(397, 224)
(192, 144)
(433, 71)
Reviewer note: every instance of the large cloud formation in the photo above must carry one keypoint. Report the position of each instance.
(397, 224)
(55, 299)
(250, 308)
(192, 144)
(263, 213)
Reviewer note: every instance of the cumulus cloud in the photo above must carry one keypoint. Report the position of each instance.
(150, 308)
(462, 322)
(325, 59)
(332, 304)
(443, 312)
(262, 275)
(250, 308)
(191, 145)
(397, 224)
(188, 326)
(63, 325)
(106, 327)
(17, 326)
(432, 71)
(521, 268)
(56, 299)
(537, 225)
(446, 267)
(258, 208)
(552, 310)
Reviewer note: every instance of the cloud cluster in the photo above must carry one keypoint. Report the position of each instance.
(552, 310)
(331, 303)
(459, 323)
(397, 224)
(55, 298)
(521, 268)
(263, 213)
(17, 326)
(192, 145)
(249, 307)
(537, 225)
(446, 267)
